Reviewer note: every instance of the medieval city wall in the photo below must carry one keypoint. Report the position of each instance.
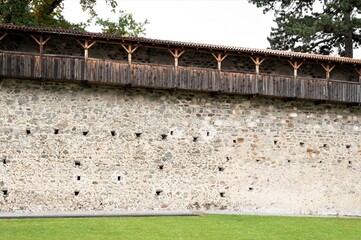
(69, 147)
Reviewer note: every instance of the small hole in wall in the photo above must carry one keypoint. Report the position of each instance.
(138, 134)
(76, 193)
(78, 178)
(348, 146)
(112, 133)
(288, 160)
(171, 132)
(221, 169)
(302, 144)
(320, 161)
(56, 131)
(164, 136)
(77, 163)
(4, 161)
(207, 134)
(324, 145)
(257, 160)
(250, 188)
(227, 159)
(234, 141)
(275, 142)
(160, 167)
(195, 139)
(222, 194)
(85, 133)
(350, 162)
(5, 192)
(28, 131)
(158, 192)
(119, 178)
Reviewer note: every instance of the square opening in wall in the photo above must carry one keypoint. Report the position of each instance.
(4, 161)
(112, 133)
(77, 163)
(195, 139)
(28, 131)
(221, 169)
(171, 132)
(164, 136)
(160, 167)
(85, 133)
(158, 192)
(76, 193)
(56, 131)
(119, 178)
(138, 134)
(222, 194)
(78, 178)
(5, 193)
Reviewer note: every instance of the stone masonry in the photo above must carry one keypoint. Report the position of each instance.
(65, 147)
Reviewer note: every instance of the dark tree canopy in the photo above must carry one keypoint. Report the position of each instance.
(50, 13)
(318, 26)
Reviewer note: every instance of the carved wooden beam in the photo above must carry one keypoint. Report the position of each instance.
(295, 66)
(176, 54)
(219, 59)
(257, 62)
(130, 49)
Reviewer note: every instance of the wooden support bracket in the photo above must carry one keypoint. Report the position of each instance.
(328, 69)
(41, 40)
(2, 37)
(219, 59)
(130, 50)
(176, 54)
(359, 73)
(257, 62)
(296, 65)
(86, 44)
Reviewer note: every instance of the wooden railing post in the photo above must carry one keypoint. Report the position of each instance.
(129, 49)
(86, 47)
(328, 70)
(219, 59)
(41, 43)
(257, 61)
(176, 54)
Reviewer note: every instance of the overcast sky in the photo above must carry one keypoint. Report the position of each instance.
(223, 22)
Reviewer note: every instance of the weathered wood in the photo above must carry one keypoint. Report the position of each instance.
(155, 76)
(219, 59)
(176, 54)
(257, 61)
(295, 65)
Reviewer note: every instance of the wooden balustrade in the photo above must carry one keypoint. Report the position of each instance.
(25, 65)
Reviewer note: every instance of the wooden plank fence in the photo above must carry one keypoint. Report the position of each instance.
(23, 65)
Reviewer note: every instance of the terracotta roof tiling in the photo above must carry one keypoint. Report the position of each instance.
(180, 44)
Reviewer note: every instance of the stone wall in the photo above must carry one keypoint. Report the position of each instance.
(68, 147)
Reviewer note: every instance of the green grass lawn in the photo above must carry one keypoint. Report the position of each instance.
(202, 227)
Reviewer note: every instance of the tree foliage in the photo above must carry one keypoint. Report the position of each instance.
(318, 26)
(50, 13)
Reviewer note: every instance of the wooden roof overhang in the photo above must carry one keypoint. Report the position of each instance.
(199, 47)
